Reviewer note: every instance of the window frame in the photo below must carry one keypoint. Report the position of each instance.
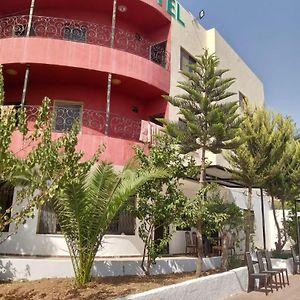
(67, 102)
(117, 220)
(242, 101)
(191, 60)
(38, 226)
(11, 192)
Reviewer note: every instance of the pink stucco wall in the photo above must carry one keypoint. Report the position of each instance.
(79, 55)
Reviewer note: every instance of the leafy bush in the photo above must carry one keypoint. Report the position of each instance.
(281, 254)
(235, 261)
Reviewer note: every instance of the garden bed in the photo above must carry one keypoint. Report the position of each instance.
(104, 288)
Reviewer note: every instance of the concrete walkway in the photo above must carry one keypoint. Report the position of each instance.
(290, 292)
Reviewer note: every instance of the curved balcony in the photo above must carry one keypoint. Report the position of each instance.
(92, 122)
(84, 32)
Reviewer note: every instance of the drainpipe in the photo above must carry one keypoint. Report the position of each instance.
(263, 217)
(26, 78)
(112, 44)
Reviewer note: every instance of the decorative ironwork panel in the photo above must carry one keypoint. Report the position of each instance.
(124, 127)
(84, 32)
(66, 114)
(93, 119)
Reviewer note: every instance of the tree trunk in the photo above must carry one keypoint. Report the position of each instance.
(225, 245)
(278, 244)
(149, 239)
(199, 230)
(202, 169)
(248, 220)
(200, 253)
(284, 223)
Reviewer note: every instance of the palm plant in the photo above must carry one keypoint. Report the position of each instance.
(86, 207)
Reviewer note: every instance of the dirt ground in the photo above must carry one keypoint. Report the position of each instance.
(104, 288)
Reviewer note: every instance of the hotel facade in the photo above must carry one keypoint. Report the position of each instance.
(108, 66)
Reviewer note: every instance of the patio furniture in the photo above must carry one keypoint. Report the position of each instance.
(262, 269)
(189, 244)
(217, 248)
(281, 270)
(264, 278)
(296, 262)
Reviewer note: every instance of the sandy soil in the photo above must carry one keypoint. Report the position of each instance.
(105, 288)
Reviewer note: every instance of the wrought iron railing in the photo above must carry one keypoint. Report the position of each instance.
(91, 121)
(84, 32)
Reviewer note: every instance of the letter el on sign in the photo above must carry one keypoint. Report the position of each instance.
(173, 8)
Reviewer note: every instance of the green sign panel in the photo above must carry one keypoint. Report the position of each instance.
(173, 8)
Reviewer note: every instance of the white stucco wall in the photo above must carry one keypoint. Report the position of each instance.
(27, 242)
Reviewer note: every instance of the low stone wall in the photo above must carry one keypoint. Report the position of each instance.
(283, 263)
(15, 268)
(213, 287)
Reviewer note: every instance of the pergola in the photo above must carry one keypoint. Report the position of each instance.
(223, 176)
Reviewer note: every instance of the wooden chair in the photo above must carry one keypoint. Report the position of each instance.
(217, 248)
(262, 269)
(189, 244)
(296, 261)
(281, 270)
(265, 277)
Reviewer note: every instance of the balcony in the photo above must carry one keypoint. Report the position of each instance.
(92, 122)
(84, 32)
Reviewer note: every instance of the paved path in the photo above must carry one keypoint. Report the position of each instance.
(290, 292)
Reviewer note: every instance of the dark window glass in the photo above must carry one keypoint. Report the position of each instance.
(66, 115)
(47, 222)
(185, 60)
(124, 222)
(242, 101)
(75, 33)
(6, 200)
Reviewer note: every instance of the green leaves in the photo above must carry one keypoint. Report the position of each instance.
(210, 120)
(88, 204)
(160, 201)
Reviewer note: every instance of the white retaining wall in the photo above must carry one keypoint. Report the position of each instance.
(37, 268)
(213, 287)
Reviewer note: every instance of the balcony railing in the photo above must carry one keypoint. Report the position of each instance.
(84, 32)
(91, 122)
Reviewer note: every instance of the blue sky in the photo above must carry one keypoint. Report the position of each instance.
(266, 34)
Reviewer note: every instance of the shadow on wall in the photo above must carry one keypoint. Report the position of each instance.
(162, 266)
(8, 272)
(27, 242)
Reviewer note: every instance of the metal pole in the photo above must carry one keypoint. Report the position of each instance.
(26, 78)
(263, 217)
(112, 44)
(297, 224)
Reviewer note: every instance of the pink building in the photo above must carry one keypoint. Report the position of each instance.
(68, 54)
(66, 50)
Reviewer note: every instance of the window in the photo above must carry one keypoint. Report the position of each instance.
(252, 220)
(47, 222)
(20, 30)
(6, 200)
(66, 115)
(75, 33)
(185, 60)
(124, 222)
(158, 53)
(242, 101)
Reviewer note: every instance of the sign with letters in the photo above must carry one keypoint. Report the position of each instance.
(174, 9)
